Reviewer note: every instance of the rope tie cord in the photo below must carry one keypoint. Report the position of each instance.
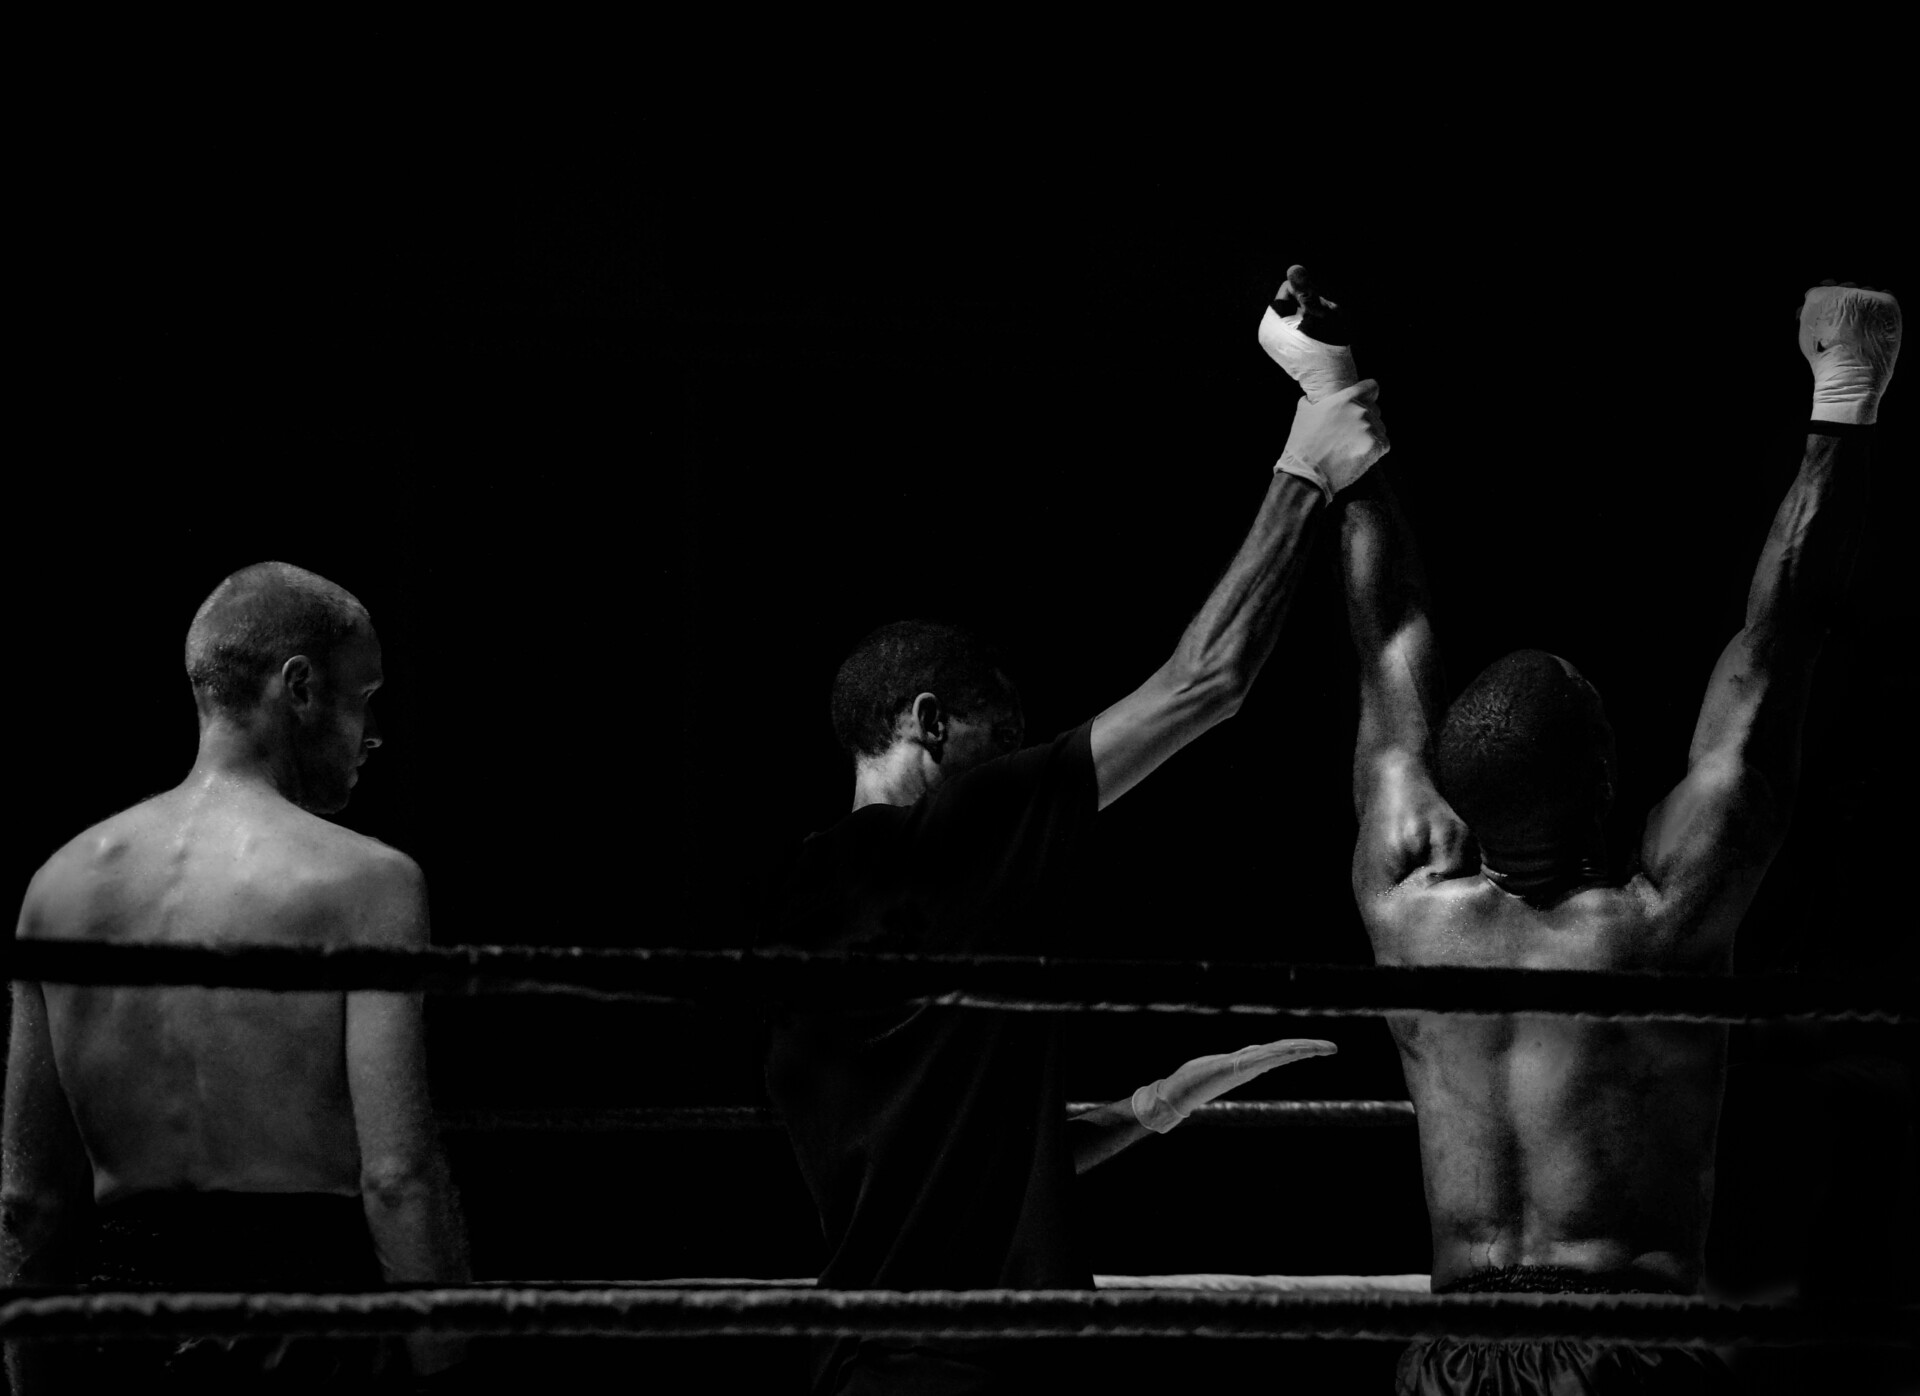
(1648, 1320)
(759, 979)
(622, 1119)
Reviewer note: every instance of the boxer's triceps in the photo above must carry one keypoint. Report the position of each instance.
(1402, 817)
(1222, 650)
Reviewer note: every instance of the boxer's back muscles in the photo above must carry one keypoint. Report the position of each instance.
(222, 1089)
(1550, 1140)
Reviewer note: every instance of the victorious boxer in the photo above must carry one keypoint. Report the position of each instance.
(1564, 1154)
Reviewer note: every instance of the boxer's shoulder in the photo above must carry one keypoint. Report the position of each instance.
(257, 869)
(1426, 919)
(348, 886)
(96, 862)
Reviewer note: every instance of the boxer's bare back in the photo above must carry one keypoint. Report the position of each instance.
(1549, 1140)
(228, 1089)
(219, 1089)
(157, 1096)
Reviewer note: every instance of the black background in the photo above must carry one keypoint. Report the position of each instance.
(627, 423)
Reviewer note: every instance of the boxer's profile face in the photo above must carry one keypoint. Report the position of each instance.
(336, 728)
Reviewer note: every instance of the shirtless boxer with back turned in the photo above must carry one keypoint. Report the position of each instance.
(227, 1138)
(1563, 1154)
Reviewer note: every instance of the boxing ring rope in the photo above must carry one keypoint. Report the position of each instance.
(1361, 1307)
(603, 1311)
(649, 1119)
(757, 978)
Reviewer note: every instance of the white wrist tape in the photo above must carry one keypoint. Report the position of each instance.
(1335, 441)
(1320, 369)
(1165, 1103)
(1153, 1110)
(1290, 464)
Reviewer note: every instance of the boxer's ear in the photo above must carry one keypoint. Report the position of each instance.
(296, 677)
(929, 723)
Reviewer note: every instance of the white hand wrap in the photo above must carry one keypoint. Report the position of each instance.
(1851, 337)
(1164, 1104)
(1320, 369)
(1336, 440)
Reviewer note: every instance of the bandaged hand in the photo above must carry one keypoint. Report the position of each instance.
(1288, 334)
(1167, 1102)
(1851, 337)
(1336, 440)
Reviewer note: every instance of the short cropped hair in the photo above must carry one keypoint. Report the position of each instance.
(1525, 744)
(887, 670)
(258, 619)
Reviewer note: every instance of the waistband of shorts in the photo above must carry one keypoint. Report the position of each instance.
(1560, 1279)
(184, 1239)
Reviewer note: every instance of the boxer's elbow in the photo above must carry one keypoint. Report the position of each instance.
(396, 1183)
(1207, 693)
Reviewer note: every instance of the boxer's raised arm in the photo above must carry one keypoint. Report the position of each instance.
(405, 1186)
(1404, 823)
(1336, 436)
(1210, 672)
(1708, 844)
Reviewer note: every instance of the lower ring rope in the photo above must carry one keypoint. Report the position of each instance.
(1640, 1319)
(1279, 1284)
(644, 1119)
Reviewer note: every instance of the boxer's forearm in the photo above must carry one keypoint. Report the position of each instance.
(414, 1217)
(38, 1246)
(1811, 548)
(1387, 613)
(1102, 1132)
(1232, 636)
(1760, 688)
(419, 1237)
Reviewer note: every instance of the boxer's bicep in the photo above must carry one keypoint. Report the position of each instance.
(46, 1173)
(1706, 848)
(386, 1074)
(39, 1129)
(39, 1140)
(386, 1035)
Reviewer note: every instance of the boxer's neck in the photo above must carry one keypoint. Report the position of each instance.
(1546, 871)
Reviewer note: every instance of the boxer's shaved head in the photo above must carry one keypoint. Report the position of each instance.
(886, 671)
(255, 621)
(1525, 753)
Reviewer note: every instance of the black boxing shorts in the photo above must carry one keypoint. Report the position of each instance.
(1557, 1367)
